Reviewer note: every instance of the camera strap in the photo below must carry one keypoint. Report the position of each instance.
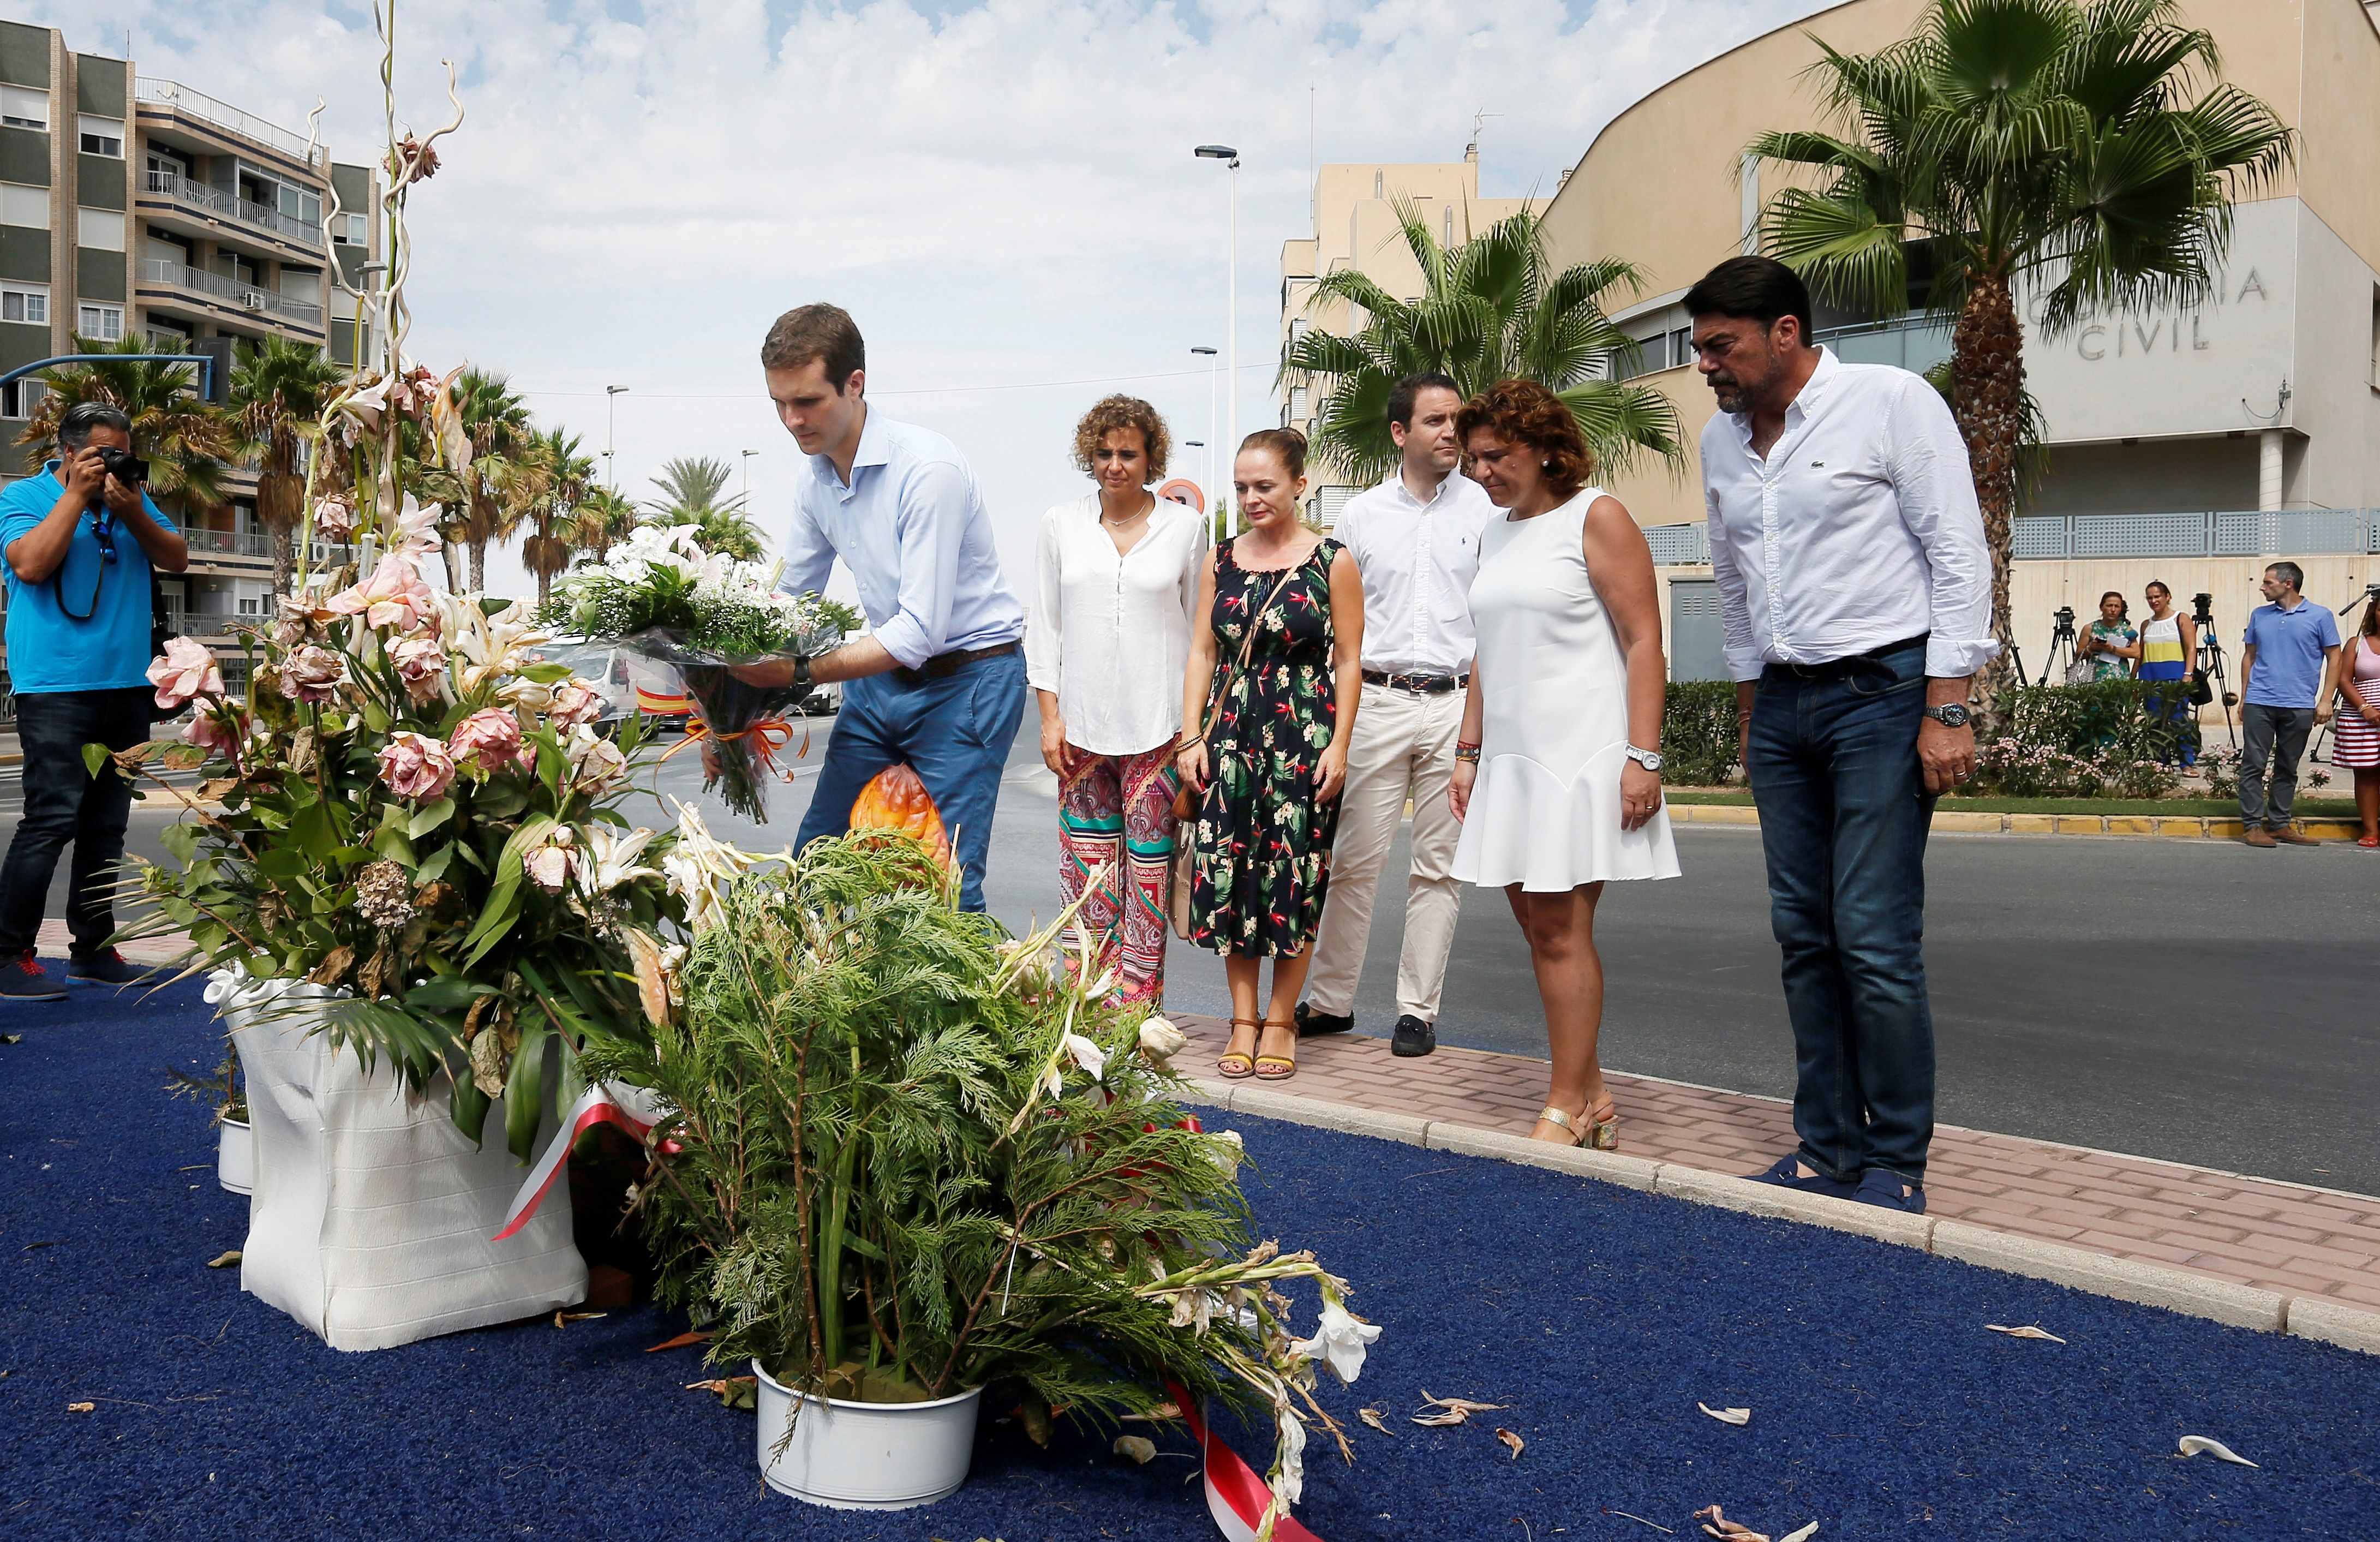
(104, 530)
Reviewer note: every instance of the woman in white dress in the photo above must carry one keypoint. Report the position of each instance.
(1106, 642)
(1557, 776)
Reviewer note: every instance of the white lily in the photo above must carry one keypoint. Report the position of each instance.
(611, 859)
(1088, 1055)
(1339, 1342)
(1289, 1483)
(700, 866)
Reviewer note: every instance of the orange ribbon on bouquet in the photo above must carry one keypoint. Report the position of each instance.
(768, 735)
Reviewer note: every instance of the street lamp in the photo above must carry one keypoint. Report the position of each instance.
(612, 394)
(1212, 358)
(1231, 305)
(748, 474)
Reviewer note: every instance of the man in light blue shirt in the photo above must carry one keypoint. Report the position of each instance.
(2286, 660)
(939, 681)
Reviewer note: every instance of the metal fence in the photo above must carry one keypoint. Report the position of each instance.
(248, 296)
(175, 97)
(2274, 533)
(167, 184)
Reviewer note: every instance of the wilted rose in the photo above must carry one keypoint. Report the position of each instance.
(421, 664)
(575, 701)
(312, 673)
(220, 730)
(185, 670)
(414, 766)
(550, 863)
(335, 518)
(487, 739)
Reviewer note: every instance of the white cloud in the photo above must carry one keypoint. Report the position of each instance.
(1000, 194)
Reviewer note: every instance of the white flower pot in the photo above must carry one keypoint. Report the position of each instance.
(236, 1155)
(864, 1455)
(372, 1218)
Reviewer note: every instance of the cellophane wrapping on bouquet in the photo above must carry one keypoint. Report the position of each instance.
(688, 620)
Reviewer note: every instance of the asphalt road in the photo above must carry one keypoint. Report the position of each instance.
(2194, 1001)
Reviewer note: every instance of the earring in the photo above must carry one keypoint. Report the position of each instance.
(1545, 465)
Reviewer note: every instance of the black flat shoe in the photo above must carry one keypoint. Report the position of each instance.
(1889, 1191)
(1787, 1174)
(1312, 1024)
(1413, 1037)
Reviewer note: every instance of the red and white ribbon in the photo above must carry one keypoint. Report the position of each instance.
(599, 1104)
(1237, 1495)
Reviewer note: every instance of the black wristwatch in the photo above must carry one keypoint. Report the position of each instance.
(801, 674)
(1953, 715)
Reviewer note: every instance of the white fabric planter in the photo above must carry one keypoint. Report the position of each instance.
(864, 1455)
(372, 1218)
(236, 1155)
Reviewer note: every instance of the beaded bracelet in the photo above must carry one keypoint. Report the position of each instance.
(1466, 753)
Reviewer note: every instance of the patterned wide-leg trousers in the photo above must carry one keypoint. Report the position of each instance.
(1115, 825)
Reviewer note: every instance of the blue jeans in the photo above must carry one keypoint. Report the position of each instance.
(956, 732)
(1843, 817)
(65, 803)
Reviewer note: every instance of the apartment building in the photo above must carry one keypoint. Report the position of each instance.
(143, 208)
(2189, 444)
(1355, 228)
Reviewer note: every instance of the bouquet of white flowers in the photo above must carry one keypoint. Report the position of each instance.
(689, 618)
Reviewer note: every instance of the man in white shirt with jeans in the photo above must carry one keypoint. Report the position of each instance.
(1415, 541)
(1855, 589)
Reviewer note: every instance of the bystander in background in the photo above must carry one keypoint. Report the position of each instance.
(2356, 677)
(2289, 652)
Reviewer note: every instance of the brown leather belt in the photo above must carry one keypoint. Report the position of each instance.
(941, 666)
(1420, 684)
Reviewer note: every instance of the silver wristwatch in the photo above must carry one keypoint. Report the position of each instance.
(1649, 758)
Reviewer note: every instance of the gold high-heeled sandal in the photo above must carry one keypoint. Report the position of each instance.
(1601, 1135)
(1287, 1064)
(1236, 1065)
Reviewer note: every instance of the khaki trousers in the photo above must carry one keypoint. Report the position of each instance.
(1403, 747)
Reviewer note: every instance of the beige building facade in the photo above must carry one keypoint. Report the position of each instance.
(1356, 228)
(2191, 445)
(132, 207)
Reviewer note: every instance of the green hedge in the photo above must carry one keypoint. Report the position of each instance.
(1698, 734)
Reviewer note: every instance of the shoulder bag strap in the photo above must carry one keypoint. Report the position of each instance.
(1239, 665)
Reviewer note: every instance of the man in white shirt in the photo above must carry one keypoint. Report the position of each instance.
(1415, 541)
(1855, 590)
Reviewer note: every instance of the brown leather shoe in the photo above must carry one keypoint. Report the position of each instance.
(2257, 835)
(2289, 835)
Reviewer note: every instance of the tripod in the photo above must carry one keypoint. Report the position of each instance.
(2210, 663)
(2061, 648)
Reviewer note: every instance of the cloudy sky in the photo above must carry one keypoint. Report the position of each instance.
(1002, 193)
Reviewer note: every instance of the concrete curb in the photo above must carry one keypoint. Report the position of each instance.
(2191, 1294)
(2200, 827)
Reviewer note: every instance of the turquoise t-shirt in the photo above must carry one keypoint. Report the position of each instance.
(48, 648)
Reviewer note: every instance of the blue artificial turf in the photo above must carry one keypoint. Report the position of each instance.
(1881, 1408)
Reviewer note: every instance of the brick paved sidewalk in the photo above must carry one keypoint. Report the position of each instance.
(2282, 1237)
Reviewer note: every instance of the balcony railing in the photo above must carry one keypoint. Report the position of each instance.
(1916, 343)
(231, 543)
(198, 195)
(206, 109)
(246, 297)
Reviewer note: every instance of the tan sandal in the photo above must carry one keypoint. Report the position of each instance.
(1601, 1135)
(1287, 1065)
(1237, 1065)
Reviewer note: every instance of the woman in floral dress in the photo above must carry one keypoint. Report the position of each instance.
(1272, 754)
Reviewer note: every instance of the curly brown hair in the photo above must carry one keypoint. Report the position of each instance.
(1523, 412)
(1122, 412)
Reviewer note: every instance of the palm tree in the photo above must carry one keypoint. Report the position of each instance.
(186, 443)
(602, 521)
(1491, 310)
(563, 476)
(690, 486)
(494, 495)
(2089, 151)
(277, 399)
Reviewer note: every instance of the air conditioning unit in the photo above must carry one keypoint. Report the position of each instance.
(250, 300)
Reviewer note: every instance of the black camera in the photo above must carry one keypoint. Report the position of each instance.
(123, 465)
(2204, 608)
(2064, 616)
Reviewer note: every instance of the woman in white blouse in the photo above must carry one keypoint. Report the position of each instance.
(1105, 646)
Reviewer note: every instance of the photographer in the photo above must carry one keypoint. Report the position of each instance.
(79, 540)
